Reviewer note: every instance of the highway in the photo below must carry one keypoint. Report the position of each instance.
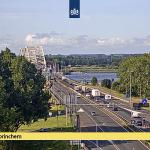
(123, 105)
(106, 124)
(102, 122)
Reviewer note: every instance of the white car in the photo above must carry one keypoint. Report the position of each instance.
(78, 95)
(93, 113)
(88, 95)
(109, 105)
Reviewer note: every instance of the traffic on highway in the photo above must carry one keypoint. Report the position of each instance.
(100, 113)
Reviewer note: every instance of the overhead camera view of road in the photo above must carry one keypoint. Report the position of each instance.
(96, 111)
(74, 69)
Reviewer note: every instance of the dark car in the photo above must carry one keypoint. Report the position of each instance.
(93, 113)
(139, 123)
(115, 109)
(43, 130)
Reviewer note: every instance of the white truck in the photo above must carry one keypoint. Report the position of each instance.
(95, 93)
(136, 119)
(84, 89)
(63, 78)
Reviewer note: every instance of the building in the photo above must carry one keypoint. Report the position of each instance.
(34, 55)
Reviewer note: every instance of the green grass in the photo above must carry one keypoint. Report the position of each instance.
(146, 108)
(59, 107)
(53, 99)
(49, 123)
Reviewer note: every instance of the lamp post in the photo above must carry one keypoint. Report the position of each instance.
(78, 118)
(57, 114)
(78, 123)
(130, 88)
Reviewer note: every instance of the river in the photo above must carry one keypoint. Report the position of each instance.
(81, 76)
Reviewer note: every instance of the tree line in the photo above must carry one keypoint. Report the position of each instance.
(134, 72)
(89, 59)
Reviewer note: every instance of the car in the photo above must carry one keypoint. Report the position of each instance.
(93, 113)
(88, 95)
(78, 95)
(105, 102)
(115, 109)
(138, 123)
(108, 105)
(43, 130)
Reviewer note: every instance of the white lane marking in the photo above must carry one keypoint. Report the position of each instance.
(117, 148)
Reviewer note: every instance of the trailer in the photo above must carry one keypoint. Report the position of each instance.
(84, 89)
(95, 93)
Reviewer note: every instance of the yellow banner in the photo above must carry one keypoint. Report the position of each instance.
(74, 136)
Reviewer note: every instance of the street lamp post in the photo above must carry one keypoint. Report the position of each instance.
(57, 114)
(130, 72)
(78, 122)
(130, 89)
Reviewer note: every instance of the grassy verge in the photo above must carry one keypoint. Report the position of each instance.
(59, 107)
(53, 100)
(52, 124)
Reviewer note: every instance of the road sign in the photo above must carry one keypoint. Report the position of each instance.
(144, 101)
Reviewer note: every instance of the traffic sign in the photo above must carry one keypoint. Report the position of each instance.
(144, 101)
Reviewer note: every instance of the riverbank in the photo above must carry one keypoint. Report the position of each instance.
(90, 69)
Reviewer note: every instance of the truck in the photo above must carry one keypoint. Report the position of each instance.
(84, 89)
(136, 119)
(95, 93)
(108, 97)
(63, 78)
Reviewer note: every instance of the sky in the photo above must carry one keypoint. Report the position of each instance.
(105, 26)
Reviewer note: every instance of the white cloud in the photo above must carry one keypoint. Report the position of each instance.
(59, 43)
(55, 43)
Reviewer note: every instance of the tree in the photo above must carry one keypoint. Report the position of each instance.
(106, 83)
(94, 81)
(22, 98)
(115, 85)
(42, 145)
(138, 70)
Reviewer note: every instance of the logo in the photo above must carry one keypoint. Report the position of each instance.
(74, 8)
(74, 12)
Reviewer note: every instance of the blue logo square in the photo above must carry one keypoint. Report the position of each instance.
(74, 8)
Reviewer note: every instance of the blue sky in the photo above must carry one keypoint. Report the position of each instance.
(105, 26)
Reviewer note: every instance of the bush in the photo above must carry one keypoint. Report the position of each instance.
(115, 85)
(106, 83)
(94, 81)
